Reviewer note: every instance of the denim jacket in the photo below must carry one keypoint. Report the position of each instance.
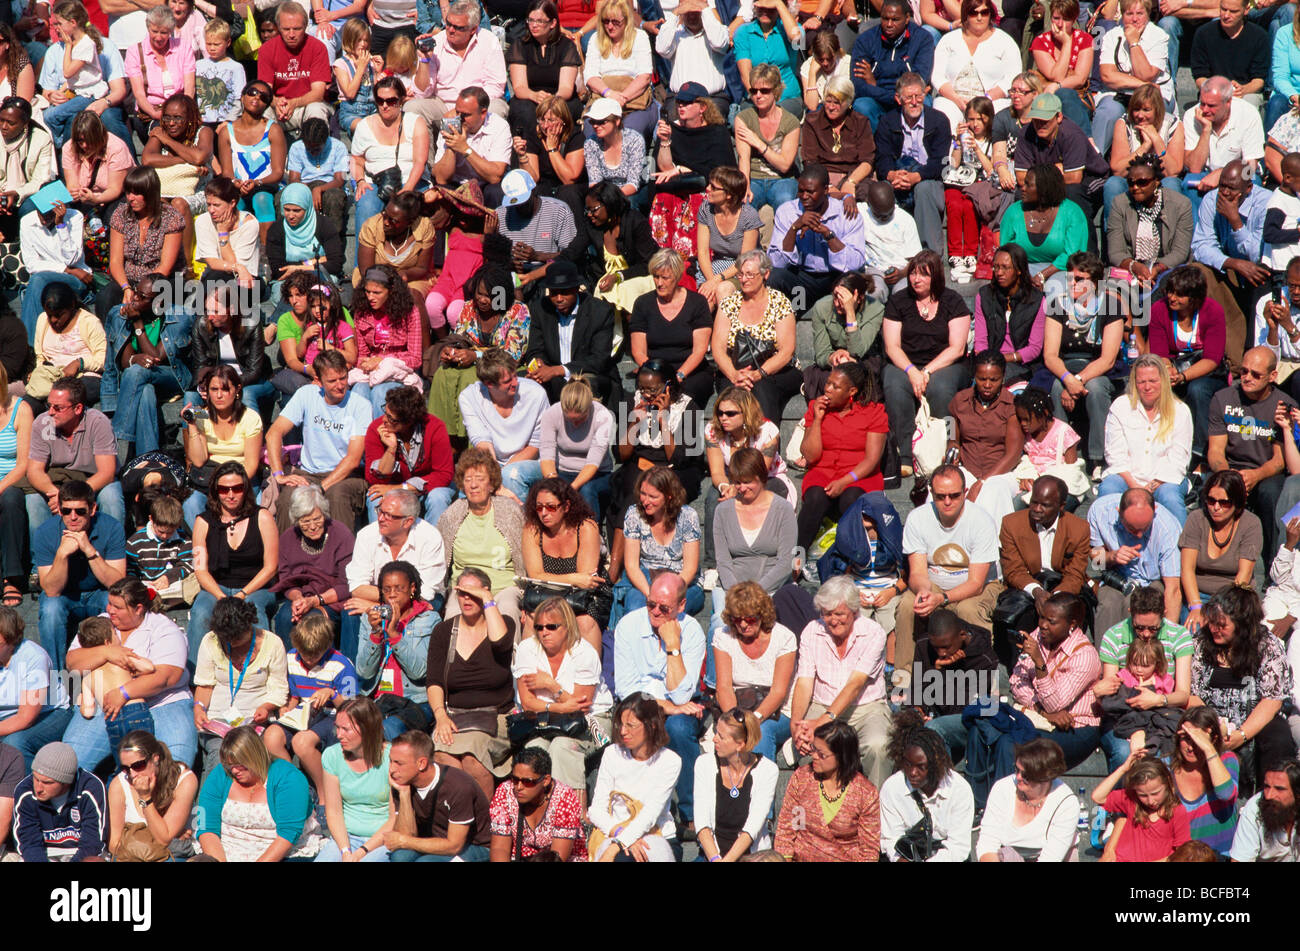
(411, 652)
(178, 325)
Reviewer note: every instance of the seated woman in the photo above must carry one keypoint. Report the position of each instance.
(754, 337)
(470, 684)
(754, 655)
(661, 533)
(222, 699)
(1153, 822)
(734, 790)
(15, 450)
(407, 447)
(1011, 313)
(1149, 438)
(673, 325)
(613, 248)
(389, 139)
(830, 812)
(228, 431)
(840, 139)
(356, 794)
(227, 241)
(693, 146)
(1046, 224)
(1133, 53)
(252, 150)
(69, 342)
(551, 151)
(153, 791)
(534, 813)
(1152, 136)
(392, 660)
(576, 436)
(144, 238)
(1220, 544)
(312, 560)
(717, 249)
(925, 787)
(180, 148)
(610, 155)
(32, 150)
(986, 433)
(562, 546)
(1063, 55)
(92, 149)
(543, 63)
(234, 540)
(1081, 342)
(1205, 777)
(557, 672)
(256, 808)
(463, 223)
(400, 235)
(389, 335)
(846, 328)
(314, 320)
(1188, 330)
(619, 67)
(222, 337)
(925, 331)
(630, 808)
(767, 141)
(976, 60)
(826, 61)
(1031, 816)
(303, 240)
(843, 444)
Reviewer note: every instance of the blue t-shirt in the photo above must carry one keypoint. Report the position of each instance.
(326, 429)
(106, 536)
(774, 48)
(334, 671)
(29, 669)
(319, 169)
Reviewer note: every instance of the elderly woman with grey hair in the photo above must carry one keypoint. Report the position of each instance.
(312, 568)
(841, 676)
(674, 325)
(159, 67)
(754, 337)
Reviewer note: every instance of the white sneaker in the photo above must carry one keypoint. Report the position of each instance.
(970, 263)
(955, 263)
(961, 275)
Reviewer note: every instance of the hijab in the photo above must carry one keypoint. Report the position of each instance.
(300, 243)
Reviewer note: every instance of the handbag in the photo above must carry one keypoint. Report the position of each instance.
(918, 843)
(387, 182)
(525, 725)
(750, 698)
(929, 441)
(747, 351)
(618, 84)
(596, 603)
(959, 176)
(138, 845)
(201, 476)
(408, 711)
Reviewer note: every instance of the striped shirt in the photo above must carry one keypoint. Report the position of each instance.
(865, 653)
(149, 557)
(1173, 638)
(1072, 668)
(334, 671)
(1213, 815)
(550, 230)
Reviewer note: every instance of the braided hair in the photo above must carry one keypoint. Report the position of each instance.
(910, 732)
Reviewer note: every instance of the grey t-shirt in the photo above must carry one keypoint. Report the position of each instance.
(725, 248)
(1248, 425)
(94, 437)
(1215, 574)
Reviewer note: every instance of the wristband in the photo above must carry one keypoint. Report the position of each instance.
(278, 472)
(123, 285)
(910, 367)
(201, 706)
(489, 604)
(1065, 376)
(716, 857)
(122, 690)
(1194, 607)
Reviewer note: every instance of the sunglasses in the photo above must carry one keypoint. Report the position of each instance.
(261, 94)
(661, 608)
(387, 100)
(728, 413)
(69, 510)
(748, 621)
(458, 29)
(548, 627)
(138, 766)
(1218, 501)
(525, 781)
(947, 496)
(230, 490)
(1141, 182)
(1149, 628)
(549, 506)
(612, 21)
(755, 90)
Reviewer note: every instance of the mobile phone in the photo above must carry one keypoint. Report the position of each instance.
(1277, 293)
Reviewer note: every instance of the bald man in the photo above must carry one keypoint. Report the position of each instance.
(1244, 436)
(659, 650)
(1229, 233)
(1134, 543)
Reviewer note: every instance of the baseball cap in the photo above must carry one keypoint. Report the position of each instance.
(604, 109)
(1045, 106)
(691, 92)
(517, 187)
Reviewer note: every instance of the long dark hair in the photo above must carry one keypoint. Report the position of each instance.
(615, 202)
(578, 509)
(552, 13)
(843, 744)
(327, 293)
(231, 377)
(865, 379)
(169, 771)
(246, 508)
(496, 279)
(400, 302)
(193, 118)
(1242, 607)
(909, 731)
(143, 180)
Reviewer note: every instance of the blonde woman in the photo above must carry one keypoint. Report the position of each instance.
(15, 442)
(552, 153)
(1149, 437)
(1009, 125)
(619, 66)
(767, 141)
(724, 835)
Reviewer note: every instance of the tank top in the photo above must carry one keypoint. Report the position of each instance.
(132, 813)
(9, 442)
(234, 567)
(555, 565)
(251, 161)
(730, 814)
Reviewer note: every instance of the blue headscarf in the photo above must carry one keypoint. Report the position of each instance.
(300, 243)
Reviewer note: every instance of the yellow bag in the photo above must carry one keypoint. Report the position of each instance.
(250, 41)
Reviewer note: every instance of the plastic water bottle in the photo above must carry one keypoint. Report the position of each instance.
(1083, 813)
(1098, 828)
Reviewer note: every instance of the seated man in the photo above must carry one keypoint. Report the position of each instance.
(334, 422)
(479, 148)
(954, 667)
(1052, 139)
(34, 707)
(441, 814)
(884, 52)
(1135, 541)
(1044, 549)
(77, 557)
(397, 534)
(1277, 326)
(463, 55)
(813, 242)
(53, 251)
(659, 650)
(911, 145)
(1266, 830)
(693, 39)
(891, 239)
(1229, 233)
(1244, 435)
(570, 332)
(503, 416)
(1219, 129)
(1236, 49)
(297, 67)
(61, 811)
(539, 228)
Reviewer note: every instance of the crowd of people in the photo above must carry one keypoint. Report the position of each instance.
(442, 578)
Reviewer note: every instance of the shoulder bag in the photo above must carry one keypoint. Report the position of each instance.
(480, 719)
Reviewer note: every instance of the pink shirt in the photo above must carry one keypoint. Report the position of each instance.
(1073, 666)
(192, 31)
(1160, 683)
(484, 64)
(376, 337)
(161, 79)
(117, 157)
(819, 660)
(1043, 454)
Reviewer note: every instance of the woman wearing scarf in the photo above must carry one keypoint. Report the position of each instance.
(1010, 313)
(302, 240)
(1150, 228)
(28, 162)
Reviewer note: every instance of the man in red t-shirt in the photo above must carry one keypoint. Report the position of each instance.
(298, 68)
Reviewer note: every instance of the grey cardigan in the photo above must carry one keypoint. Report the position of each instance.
(507, 517)
(767, 561)
(1175, 223)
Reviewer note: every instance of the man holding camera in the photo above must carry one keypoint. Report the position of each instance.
(1134, 543)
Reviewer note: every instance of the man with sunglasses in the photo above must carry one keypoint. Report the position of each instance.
(297, 68)
(77, 557)
(463, 55)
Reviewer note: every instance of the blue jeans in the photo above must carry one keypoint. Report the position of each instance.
(368, 205)
(1076, 744)
(684, 740)
(36, 285)
(48, 728)
(954, 734)
(471, 853)
(1100, 392)
(1197, 394)
(59, 614)
(329, 850)
(435, 503)
(201, 614)
(116, 124)
(1273, 19)
(595, 491)
(519, 477)
(1072, 107)
(775, 733)
(395, 727)
(871, 108)
(1103, 120)
(132, 716)
(109, 501)
(378, 395)
(1174, 27)
(173, 725)
(58, 119)
(772, 192)
(348, 625)
(141, 391)
(1172, 496)
(634, 599)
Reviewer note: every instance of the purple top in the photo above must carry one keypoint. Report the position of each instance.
(316, 573)
(1031, 351)
(1210, 337)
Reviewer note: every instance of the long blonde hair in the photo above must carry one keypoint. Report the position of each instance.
(1166, 404)
(603, 42)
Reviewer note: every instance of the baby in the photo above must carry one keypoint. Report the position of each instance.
(134, 714)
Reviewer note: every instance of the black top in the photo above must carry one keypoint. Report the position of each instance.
(1241, 60)
(670, 340)
(1071, 149)
(729, 814)
(16, 354)
(979, 656)
(703, 149)
(1085, 342)
(233, 567)
(635, 243)
(544, 65)
(250, 352)
(923, 340)
(482, 681)
(545, 170)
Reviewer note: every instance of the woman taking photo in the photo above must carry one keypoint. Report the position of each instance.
(533, 813)
(470, 684)
(1205, 776)
(227, 241)
(396, 652)
(149, 802)
(552, 153)
(767, 140)
(256, 808)
(1031, 815)
(1011, 313)
(312, 568)
(613, 154)
(357, 795)
(543, 63)
(754, 337)
(728, 227)
(619, 67)
(562, 545)
(977, 60)
(734, 790)
(613, 248)
(630, 807)
(15, 448)
(229, 432)
(846, 328)
(840, 139)
(1149, 438)
(679, 323)
(234, 540)
(241, 675)
(754, 659)
(1220, 544)
(1240, 671)
(1045, 223)
(557, 672)
(1188, 330)
(303, 240)
(253, 151)
(389, 336)
(145, 237)
(1153, 822)
(844, 441)
(180, 149)
(839, 808)
(484, 530)
(95, 164)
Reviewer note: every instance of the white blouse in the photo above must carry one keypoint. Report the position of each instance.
(649, 783)
(637, 64)
(952, 808)
(1131, 443)
(997, 60)
(580, 667)
(1055, 829)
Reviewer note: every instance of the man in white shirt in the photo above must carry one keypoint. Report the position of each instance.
(514, 436)
(397, 534)
(891, 240)
(695, 41)
(54, 252)
(1266, 829)
(476, 145)
(1217, 130)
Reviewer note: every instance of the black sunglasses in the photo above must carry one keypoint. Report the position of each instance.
(69, 510)
(548, 627)
(259, 92)
(138, 766)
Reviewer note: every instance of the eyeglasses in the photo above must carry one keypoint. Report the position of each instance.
(70, 510)
(917, 97)
(819, 754)
(387, 100)
(1141, 182)
(947, 496)
(311, 521)
(230, 490)
(658, 608)
(549, 506)
(526, 782)
(384, 513)
(612, 21)
(58, 407)
(755, 90)
(548, 627)
(1217, 501)
(538, 21)
(261, 94)
(138, 766)
(1255, 374)
(167, 118)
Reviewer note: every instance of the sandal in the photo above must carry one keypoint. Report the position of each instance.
(12, 597)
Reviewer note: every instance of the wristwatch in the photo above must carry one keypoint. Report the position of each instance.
(676, 653)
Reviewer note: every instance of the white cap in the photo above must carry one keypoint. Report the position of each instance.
(517, 186)
(604, 108)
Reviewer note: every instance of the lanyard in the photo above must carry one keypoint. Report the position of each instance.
(248, 662)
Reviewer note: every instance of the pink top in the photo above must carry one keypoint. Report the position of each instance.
(161, 79)
(193, 32)
(1043, 454)
(337, 338)
(117, 157)
(1160, 683)
(864, 653)
(484, 64)
(1073, 666)
(377, 337)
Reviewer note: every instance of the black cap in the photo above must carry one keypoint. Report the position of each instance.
(562, 275)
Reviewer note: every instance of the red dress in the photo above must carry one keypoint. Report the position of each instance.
(844, 443)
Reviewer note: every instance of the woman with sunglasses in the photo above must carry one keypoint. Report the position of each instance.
(390, 138)
(234, 540)
(734, 790)
(533, 813)
(180, 148)
(562, 545)
(557, 671)
(613, 247)
(149, 801)
(619, 67)
(977, 60)
(253, 150)
(1154, 223)
(767, 140)
(544, 62)
(754, 658)
(1220, 544)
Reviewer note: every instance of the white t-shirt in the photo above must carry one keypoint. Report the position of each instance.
(391, 14)
(1054, 830)
(579, 668)
(1242, 138)
(637, 64)
(89, 79)
(949, 552)
(757, 672)
(379, 156)
(1154, 42)
(1278, 256)
(327, 429)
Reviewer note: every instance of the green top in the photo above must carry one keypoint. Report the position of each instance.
(365, 795)
(1069, 234)
(831, 334)
(1173, 638)
(478, 543)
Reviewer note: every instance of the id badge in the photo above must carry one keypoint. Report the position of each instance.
(386, 684)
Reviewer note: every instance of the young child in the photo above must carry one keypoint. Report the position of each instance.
(355, 72)
(189, 25)
(158, 553)
(81, 69)
(1051, 444)
(400, 60)
(1145, 668)
(971, 162)
(134, 715)
(218, 79)
(319, 677)
(1153, 822)
(321, 163)
(1282, 219)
